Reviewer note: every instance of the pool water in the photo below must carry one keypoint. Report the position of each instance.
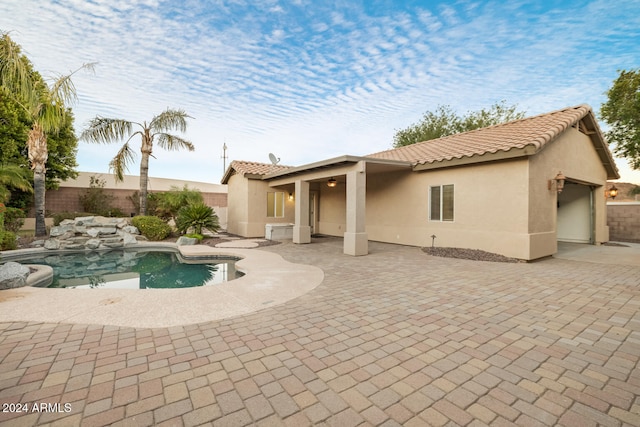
(134, 269)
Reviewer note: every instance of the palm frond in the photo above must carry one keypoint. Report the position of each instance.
(120, 163)
(63, 90)
(106, 131)
(170, 120)
(15, 73)
(173, 142)
(16, 177)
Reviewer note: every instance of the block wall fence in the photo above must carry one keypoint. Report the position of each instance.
(623, 220)
(67, 199)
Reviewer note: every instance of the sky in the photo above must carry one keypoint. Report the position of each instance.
(310, 79)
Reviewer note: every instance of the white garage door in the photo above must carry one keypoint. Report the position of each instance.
(574, 214)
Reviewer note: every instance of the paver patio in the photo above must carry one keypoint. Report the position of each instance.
(393, 338)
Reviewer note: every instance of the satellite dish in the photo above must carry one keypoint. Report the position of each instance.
(274, 160)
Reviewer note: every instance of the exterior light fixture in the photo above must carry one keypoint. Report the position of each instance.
(613, 192)
(559, 179)
(291, 197)
(332, 183)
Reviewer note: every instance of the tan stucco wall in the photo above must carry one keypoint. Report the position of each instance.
(247, 210)
(503, 207)
(398, 203)
(332, 204)
(574, 155)
(237, 205)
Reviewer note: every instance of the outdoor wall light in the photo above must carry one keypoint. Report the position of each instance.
(291, 197)
(559, 179)
(332, 183)
(612, 192)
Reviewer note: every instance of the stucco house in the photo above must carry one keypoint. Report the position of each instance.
(515, 189)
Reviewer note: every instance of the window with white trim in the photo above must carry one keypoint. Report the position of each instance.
(441, 203)
(275, 205)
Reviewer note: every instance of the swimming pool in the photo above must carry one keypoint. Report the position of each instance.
(134, 269)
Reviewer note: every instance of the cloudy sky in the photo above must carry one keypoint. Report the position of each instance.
(313, 79)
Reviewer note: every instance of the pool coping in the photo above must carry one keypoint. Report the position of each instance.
(269, 280)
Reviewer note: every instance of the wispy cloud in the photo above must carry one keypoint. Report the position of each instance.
(310, 80)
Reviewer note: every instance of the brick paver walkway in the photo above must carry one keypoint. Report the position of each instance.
(393, 338)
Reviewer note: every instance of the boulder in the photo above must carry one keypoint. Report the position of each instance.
(129, 239)
(52, 244)
(60, 230)
(92, 232)
(186, 241)
(13, 275)
(130, 229)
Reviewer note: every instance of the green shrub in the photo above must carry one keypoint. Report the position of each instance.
(8, 241)
(151, 227)
(197, 216)
(95, 199)
(170, 202)
(14, 219)
(200, 237)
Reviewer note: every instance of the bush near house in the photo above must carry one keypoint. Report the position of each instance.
(151, 227)
(197, 216)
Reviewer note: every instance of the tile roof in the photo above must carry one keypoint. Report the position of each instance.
(533, 131)
(253, 168)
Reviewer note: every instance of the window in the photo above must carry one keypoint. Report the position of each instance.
(275, 205)
(441, 203)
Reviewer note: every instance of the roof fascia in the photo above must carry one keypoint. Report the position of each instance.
(514, 153)
(600, 145)
(332, 163)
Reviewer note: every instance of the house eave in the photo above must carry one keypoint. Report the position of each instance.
(514, 153)
(333, 163)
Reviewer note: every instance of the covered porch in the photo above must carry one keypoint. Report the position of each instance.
(343, 181)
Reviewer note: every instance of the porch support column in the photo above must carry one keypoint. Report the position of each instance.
(356, 241)
(301, 228)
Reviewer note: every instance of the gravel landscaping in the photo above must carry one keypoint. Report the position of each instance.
(471, 254)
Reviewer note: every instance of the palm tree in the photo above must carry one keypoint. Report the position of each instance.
(103, 130)
(46, 107)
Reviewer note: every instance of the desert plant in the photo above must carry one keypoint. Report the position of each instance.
(152, 202)
(14, 219)
(95, 199)
(151, 227)
(197, 216)
(170, 202)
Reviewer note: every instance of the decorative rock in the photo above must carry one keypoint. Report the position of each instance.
(13, 275)
(92, 244)
(84, 220)
(60, 230)
(113, 245)
(186, 241)
(92, 232)
(37, 243)
(130, 229)
(52, 244)
(74, 246)
(129, 239)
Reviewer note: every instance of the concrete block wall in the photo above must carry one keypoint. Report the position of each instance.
(623, 220)
(67, 199)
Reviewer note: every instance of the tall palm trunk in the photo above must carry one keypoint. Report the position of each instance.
(144, 170)
(37, 147)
